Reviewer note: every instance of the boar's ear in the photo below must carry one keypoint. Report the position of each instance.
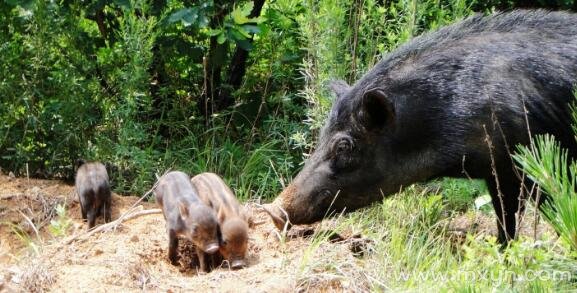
(377, 110)
(183, 209)
(339, 87)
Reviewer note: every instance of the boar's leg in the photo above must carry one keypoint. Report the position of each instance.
(172, 247)
(505, 201)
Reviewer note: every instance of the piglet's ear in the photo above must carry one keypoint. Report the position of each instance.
(183, 209)
(377, 110)
(339, 87)
(79, 162)
(221, 216)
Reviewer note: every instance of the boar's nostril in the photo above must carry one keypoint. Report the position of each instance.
(211, 248)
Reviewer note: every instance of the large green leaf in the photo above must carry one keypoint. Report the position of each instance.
(221, 38)
(240, 14)
(192, 16)
(253, 29)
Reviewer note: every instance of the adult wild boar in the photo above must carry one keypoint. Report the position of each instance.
(454, 103)
(93, 188)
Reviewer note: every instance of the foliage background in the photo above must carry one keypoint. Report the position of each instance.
(233, 87)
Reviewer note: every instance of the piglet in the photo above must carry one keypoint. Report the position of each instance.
(186, 216)
(93, 188)
(231, 217)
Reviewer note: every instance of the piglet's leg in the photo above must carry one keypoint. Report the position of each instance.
(107, 210)
(172, 247)
(201, 260)
(83, 210)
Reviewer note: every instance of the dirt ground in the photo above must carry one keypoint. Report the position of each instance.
(133, 256)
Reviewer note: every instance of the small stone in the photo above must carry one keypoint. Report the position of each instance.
(134, 238)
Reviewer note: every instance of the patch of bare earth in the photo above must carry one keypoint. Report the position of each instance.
(133, 255)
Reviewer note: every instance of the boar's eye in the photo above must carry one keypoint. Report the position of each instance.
(344, 145)
(325, 193)
(342, 156)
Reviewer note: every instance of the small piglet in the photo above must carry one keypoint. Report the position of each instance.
(93, 190)
(186, 216)
(231, 217)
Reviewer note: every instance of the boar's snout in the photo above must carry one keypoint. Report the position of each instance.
(290, 208)
(211, 248)
(278, 215)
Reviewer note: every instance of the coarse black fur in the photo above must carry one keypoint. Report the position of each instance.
(455, 102)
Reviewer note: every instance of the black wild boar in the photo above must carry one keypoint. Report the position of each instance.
(231, 217)
(93, 188)
(186, 216)
(455, 103)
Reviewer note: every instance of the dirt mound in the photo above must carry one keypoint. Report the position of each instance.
(131, 257)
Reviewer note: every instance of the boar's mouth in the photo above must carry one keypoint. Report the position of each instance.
(287, 210)
(278, 215)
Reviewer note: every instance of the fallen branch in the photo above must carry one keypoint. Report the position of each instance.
(112, 224)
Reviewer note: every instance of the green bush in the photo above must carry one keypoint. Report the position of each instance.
(221, 86)
(546, 163)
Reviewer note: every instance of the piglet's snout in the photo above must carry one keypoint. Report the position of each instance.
(211, 248)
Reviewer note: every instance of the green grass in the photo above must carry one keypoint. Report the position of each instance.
(413, 249)
(459, 194)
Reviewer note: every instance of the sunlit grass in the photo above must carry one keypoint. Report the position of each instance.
(413, 249)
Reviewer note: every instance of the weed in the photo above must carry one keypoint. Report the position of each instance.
(59, 227)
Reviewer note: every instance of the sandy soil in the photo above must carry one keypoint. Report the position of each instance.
(130, 258)
(133, 257)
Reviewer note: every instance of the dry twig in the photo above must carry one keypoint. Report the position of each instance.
(125, 217)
